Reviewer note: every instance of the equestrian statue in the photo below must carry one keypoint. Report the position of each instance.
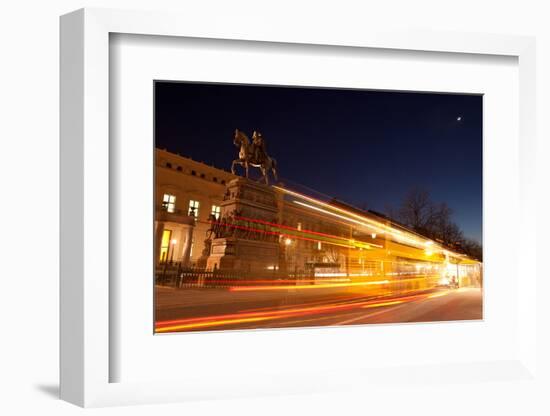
(253, 154)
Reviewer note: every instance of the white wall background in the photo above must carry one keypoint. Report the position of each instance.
(29, 115)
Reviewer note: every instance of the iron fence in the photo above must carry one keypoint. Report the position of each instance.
(175, 274)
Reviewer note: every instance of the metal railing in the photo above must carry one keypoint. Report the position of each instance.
(175, 274)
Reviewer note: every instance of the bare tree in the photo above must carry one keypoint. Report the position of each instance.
(473, 249)
(448, 232)
(442, 227)
(416, 210)
(420, 213)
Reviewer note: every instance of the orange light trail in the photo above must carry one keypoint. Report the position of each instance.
(368, 222)
(437, 295)
(397, 302)
(305, 231)
(245, 317)
(396, 233)
(319, 286)
(377, 224)
(345, 241)
(211, 323)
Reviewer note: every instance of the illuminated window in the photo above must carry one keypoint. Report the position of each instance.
(165, 245)
(169, 202)
(299, 226)
(193, 208)
(318, 245)
(216, 211)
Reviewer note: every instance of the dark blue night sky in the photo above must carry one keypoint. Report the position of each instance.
(367, 148)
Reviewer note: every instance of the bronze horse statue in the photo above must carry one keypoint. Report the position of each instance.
(253, 154)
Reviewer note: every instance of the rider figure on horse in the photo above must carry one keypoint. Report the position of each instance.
(253, 154)
(259, 153)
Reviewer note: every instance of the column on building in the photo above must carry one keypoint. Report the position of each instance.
(186, 239)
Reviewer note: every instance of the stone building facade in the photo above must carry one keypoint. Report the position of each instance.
(187, 192)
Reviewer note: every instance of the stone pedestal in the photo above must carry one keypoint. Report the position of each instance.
(243, 255)
(244, 239)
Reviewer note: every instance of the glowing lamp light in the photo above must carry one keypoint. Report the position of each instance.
(174, 241)
(288, 241)
(373, 235)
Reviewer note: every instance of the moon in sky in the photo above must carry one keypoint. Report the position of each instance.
(459, 118)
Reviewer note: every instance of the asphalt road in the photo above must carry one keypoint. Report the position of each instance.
(220, 309)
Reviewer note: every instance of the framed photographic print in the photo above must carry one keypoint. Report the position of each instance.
(259, 214)
(273, 247)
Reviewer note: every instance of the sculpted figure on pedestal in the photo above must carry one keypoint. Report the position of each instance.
(254, 154)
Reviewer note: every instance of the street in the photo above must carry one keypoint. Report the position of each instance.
(199, 309)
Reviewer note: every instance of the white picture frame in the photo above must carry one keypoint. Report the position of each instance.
(85, 211)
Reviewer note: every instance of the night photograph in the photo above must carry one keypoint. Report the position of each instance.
(281, 206)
